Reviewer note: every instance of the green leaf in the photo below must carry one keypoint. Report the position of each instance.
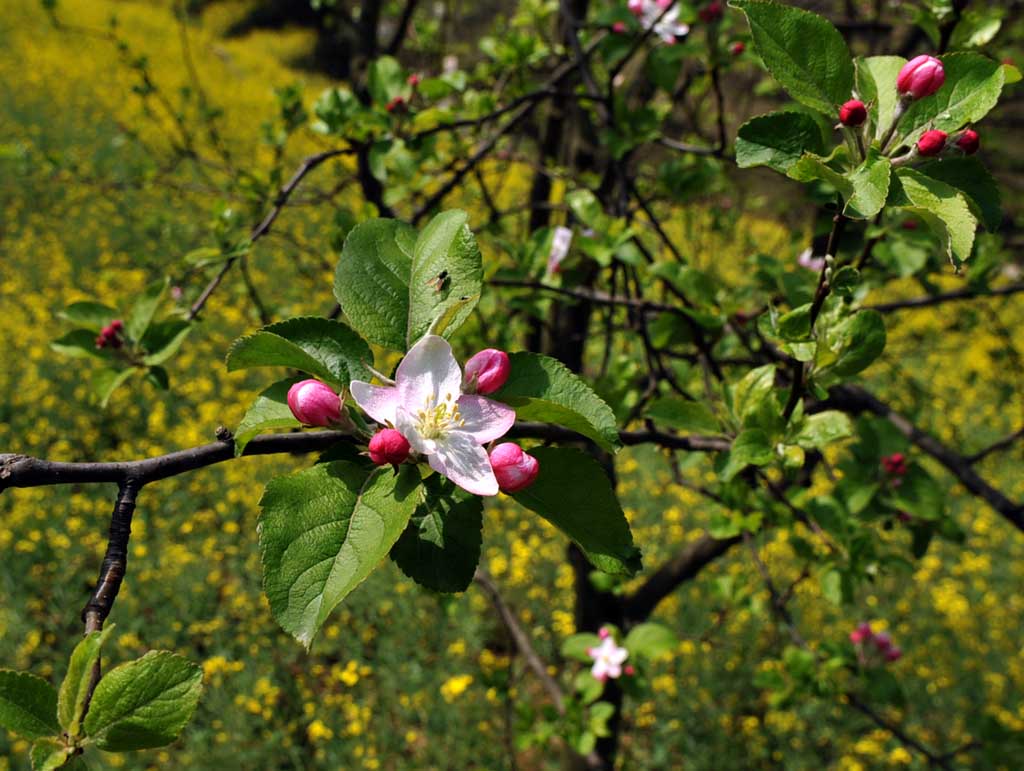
(803, 51)
(777, 140)
(163, 339)
(972, 88)
(942, 206)
(49, 754)
(853, 344)
(573, 493)
(372, 280)
(832, 586)
(79, 343)
(586, 207)
(575, 646)
(447, 276)
(325, 349)
(864, 189)
(650, 641)
(28, 705)
(822, 429)
(270, 411)
(753, 388)
(544, 389)
(144, 703)
(106, 381)
(751, 448)
(876, 87)
(75, 688)
(440, 548)
(141, 315)
(970, 177)
(91, 315)
(323, 530)
(676, 412)
(386, 80)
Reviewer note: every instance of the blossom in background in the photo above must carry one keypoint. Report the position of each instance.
(427, 406)
(654, 16)
(809, 261)
(608, 658)
(561, 242)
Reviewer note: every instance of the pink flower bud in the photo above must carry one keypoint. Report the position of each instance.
(619, 27)
(921, 76)
(604, 633)
(487, 370)
(116, 325)
(414, 80)
(663, 4)
(853, 113)
(969, 142)
(388, 447)
(630, 670)
(314, 403)
(883, 641)
(895, 464)
(711, 12)
(893, 654)
(738, 48)
(395, 104)
(514, 469)
(636, 7)
(861, 634)
(932, 143)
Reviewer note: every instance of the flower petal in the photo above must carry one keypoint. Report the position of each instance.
(464, 462)
(485, 419)
(428, 371)
(379, 402)
(408, 427)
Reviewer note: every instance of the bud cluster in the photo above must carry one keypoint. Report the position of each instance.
(874, 646)
(110, 335)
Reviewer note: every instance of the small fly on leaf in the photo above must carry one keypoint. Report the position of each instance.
(439, 282)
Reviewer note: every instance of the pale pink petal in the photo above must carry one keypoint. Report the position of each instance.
(379, 402)
(408, 427)
(428, 371)
(485, 419)
(618, 656)
(464, 462)
(614, 670)
(599, 670)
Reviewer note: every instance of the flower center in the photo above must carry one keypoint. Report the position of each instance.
(437, 419)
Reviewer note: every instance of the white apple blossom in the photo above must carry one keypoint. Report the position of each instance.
(652, 15)
(608, 658)
(426, 405)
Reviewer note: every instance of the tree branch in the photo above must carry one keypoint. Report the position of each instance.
(945, 297)
(856, 399)
(267, 222)
(681, 568)
(521, 639)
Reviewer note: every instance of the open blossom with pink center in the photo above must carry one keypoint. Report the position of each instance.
(608, 659)
(662, 16)
(427, 406)
(314, 403)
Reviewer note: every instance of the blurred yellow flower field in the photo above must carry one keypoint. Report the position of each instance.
(401, 678)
